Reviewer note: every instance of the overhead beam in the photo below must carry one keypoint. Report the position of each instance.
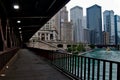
(34, 17)
(51, 5)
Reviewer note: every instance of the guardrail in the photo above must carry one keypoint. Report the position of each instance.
(81, 67)
(6, 56)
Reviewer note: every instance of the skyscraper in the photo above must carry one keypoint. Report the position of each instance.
(64, 27)
(94, 24)
(86, 36)
(76, 16)
(108, 17)
(117, 29)
(84, 22)
(105, 38)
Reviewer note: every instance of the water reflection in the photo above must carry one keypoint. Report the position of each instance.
(103, 54)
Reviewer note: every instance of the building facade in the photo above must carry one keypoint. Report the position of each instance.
(108, 18)
(94, 24)
(105, 38)
(117, 29)
(56, 29)
(86, 36)
(76, 16)
(48, 32)
(66, 32)
(63, 26)
(84, 22)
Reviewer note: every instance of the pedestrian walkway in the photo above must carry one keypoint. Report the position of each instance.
(29, 66)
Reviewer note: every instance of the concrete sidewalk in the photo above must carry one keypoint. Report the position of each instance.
(29, 66)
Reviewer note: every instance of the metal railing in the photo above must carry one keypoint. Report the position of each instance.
(6, 56)
(81, 67)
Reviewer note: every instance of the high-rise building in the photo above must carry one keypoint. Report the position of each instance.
(86, 31)
(86, 36)
(108, 17)
(117, 29)
(66, 32)
(63, 26)
(61, 18)
(84, 22)
(94, 24)
(76, 16)
(105, 38)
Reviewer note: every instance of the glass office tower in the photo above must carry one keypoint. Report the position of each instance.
(76, 16)
(117, 29)
(94, 24)
(108, 18)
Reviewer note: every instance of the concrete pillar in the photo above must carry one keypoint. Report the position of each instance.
(45, 36)
(54, 38)
(40, 36)
(48, 36)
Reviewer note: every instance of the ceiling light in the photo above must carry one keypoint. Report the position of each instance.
(20, 31)
(19, 21)
(19, 28)
(16, 6)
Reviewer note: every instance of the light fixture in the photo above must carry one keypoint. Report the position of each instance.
(19, 28)
(16, 6)
(20, 31)
(21, 38)
(18, 21)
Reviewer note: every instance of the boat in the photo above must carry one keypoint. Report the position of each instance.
(108, 49)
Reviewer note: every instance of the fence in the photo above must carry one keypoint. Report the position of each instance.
(81, 67)
(6, 56)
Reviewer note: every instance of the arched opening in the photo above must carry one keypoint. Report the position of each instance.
(60, 45)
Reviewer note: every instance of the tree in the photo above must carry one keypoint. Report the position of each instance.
(92, 46)
(76, 48)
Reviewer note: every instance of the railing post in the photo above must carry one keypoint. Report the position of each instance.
(78, 70)
(68, 63)
(81, 65)
(93, 69)
(104, 69)
(118, 71)
(110, 71)
(88, 68)
(98, 69)
(84, 68)
(75, 64)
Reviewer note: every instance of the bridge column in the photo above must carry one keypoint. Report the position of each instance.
(1, 37)
(8, 35)
(3, 34)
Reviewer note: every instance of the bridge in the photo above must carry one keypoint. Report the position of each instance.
(19, 20)
(50, 45)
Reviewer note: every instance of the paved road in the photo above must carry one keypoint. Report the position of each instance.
(31, 67)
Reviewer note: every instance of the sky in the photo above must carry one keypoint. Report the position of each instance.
(105, 4)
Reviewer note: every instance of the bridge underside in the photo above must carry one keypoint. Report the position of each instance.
(19, 20)
(19, 24)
